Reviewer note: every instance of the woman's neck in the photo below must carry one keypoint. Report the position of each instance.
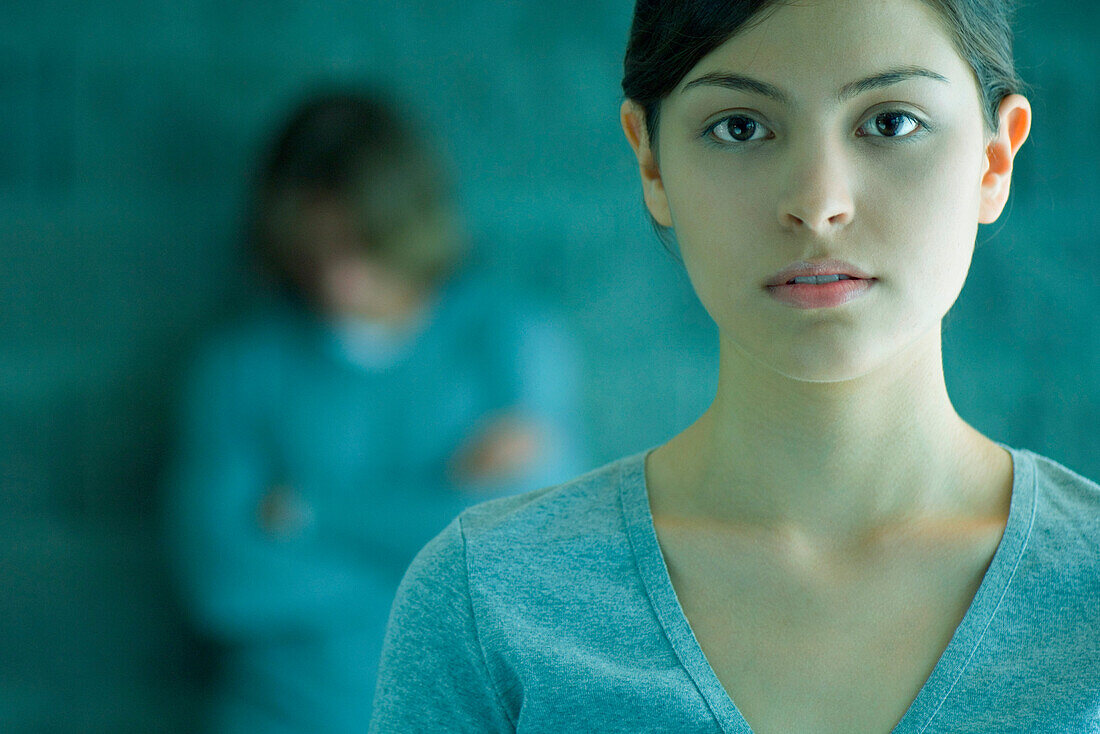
(830, 461)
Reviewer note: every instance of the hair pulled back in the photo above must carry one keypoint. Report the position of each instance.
(669, 37)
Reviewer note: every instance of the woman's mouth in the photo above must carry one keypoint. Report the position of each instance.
(819, 279)
(820, 291)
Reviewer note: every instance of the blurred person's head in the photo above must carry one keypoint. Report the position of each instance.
(353, 212)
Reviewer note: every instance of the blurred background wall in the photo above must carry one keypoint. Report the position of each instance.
(129, 128)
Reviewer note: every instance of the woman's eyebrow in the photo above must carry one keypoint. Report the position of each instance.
(741, 83)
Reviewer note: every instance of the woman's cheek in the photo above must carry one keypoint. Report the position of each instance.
(937, 236)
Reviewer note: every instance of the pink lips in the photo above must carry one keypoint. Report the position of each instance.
(824, 295)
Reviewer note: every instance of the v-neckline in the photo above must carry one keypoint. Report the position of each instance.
(933, 694)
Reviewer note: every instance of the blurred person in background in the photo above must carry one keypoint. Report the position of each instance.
(331, 433)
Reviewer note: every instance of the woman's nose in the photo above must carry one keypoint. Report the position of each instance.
(818, 195)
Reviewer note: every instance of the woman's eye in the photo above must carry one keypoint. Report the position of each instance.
(741, 129)
(737, 129)
(891, 125)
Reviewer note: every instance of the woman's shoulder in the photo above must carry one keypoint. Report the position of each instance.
(582, 507)
(1057, 483)
(1045, 580)
(542, 534)
(1062, 496)
(1056, 533)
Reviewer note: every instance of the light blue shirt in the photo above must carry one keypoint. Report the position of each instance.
(554, 612)
(361, 424)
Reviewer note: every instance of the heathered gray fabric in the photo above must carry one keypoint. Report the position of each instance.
(553, 612)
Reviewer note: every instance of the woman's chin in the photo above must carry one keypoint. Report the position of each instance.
(820, 363)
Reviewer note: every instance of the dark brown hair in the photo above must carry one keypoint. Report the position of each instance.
(669, 37)
(358, 149)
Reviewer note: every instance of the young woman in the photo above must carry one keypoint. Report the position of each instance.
(327, 437)
(830, 547)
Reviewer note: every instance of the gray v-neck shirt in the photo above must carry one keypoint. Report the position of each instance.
(553, 611)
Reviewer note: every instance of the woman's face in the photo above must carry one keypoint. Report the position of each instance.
(846, 130)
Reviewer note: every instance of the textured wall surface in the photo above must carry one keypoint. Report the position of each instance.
(129, 127)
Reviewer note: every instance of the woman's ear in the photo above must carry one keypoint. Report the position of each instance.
(632, 117)
(1015, 124)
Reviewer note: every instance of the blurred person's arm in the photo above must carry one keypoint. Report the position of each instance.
(246, 556)
(538, 440)
(501, 451)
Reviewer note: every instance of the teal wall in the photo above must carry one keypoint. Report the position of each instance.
(128, 131)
